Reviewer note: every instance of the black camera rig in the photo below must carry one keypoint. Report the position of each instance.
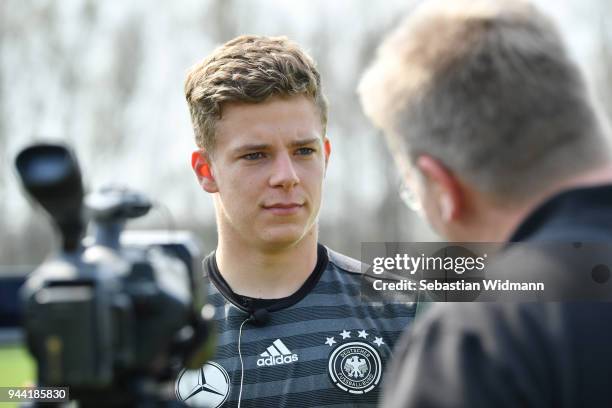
(115, 316)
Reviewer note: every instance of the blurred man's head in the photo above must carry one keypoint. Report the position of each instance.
(259, 117)
(483, 109)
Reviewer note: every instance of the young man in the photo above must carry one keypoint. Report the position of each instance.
(495, 131)
(292, 328)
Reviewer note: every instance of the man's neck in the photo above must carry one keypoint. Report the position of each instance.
(506, 219)
(264, 273)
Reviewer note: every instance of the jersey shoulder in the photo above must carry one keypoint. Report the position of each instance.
(344, 263)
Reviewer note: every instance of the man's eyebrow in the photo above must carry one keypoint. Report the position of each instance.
(250, 147)
(304, 142)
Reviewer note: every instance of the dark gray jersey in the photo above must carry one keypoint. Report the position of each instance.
(324, 346)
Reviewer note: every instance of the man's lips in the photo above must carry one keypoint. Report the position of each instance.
(282, 205)
(283, 208)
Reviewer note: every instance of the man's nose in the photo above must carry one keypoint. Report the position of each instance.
(284, 174)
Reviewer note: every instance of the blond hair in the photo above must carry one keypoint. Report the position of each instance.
(249, 69)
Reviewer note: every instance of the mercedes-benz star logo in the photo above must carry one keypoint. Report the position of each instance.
(207, 386)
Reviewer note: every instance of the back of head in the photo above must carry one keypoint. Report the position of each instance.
(487, 88)
(248, 69)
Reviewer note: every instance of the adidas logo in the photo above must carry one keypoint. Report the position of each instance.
(276, 354)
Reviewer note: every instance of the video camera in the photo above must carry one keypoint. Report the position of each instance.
(111, 317)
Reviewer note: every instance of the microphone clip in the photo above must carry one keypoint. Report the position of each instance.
(259, 317)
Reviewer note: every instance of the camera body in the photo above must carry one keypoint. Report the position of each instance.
(117, 315)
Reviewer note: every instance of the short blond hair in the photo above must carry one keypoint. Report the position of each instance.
(249, 69)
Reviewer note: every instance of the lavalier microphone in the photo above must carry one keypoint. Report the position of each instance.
(259, 317)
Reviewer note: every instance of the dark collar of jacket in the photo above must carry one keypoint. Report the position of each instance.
(581, 214)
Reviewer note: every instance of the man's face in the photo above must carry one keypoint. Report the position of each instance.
(268, 166)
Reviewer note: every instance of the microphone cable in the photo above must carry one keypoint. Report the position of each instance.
(241, 361)
(259, 317)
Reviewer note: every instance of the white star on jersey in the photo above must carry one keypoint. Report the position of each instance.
(363, 334)
(379, 341)
(330, 341)
(345, 334)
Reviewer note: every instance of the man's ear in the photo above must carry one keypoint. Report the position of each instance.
(445, 188)
(327, 150)
(200, 164)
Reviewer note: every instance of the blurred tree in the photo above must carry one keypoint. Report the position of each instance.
(106, 77)
(3, 133)
(603, 58)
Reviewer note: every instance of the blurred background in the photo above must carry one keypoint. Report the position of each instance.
(107, 78)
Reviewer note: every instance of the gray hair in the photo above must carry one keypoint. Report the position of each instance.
(488, 89)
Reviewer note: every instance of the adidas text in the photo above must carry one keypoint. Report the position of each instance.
(270, 361)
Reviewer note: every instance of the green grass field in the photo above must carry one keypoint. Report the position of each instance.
(16, 369)
(16, 366)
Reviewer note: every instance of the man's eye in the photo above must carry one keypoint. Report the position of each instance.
(305, 151)
(253, 156)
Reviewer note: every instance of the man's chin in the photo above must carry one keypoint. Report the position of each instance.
(282, 239)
